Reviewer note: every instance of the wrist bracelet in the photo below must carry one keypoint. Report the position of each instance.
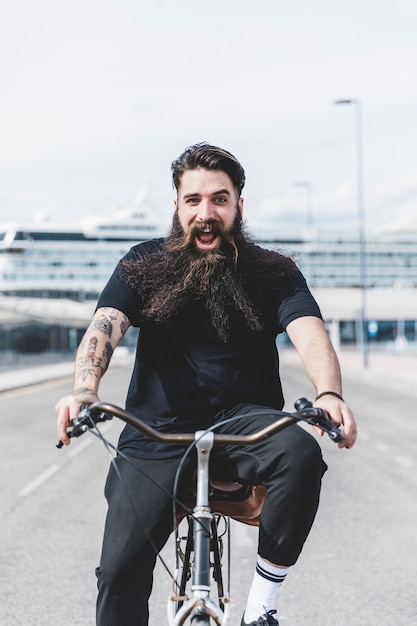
(330, 393)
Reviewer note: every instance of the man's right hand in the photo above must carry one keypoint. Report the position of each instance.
(68, 408)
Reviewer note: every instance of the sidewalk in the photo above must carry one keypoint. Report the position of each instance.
(392, 370)
(14, 379)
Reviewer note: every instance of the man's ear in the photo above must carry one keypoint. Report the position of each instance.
(240, 204)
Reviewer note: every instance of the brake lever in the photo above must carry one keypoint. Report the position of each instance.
(321, 420)
(87, 418)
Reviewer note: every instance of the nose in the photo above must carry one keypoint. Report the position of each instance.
(206, 211)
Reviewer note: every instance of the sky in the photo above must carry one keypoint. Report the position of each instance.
(97, 97)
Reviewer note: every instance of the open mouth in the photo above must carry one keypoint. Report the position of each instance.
(207, 236)
(206, 240)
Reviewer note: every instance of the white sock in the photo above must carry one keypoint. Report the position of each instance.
(265, 584)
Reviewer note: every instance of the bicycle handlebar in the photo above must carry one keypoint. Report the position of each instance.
(91, 414)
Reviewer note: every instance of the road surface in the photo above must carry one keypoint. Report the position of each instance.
(358, 566)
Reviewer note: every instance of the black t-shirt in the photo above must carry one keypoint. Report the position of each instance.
(183, 377)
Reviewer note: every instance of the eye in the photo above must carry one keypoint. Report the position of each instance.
(220, 200)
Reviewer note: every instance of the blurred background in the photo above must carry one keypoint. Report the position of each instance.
(317, 100)
(99, 97)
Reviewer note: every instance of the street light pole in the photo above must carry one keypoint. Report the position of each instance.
(309, 223)
(362, 232)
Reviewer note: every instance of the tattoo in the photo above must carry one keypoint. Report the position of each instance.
(111, 313)
(124, 325)
(93, 358)
(114, 313)
(103, 325)
(91, 349)
(83, 391)
(90, 364)
(107, 355)
(85, 373)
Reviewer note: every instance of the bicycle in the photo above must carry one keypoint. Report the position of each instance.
(202, 549)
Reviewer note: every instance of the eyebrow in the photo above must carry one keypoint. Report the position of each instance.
(216, 193)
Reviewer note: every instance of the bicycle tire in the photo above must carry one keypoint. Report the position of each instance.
(216, 550)
(185, 573)
(201, 619)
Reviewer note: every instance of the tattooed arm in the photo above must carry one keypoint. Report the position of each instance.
(91, 362)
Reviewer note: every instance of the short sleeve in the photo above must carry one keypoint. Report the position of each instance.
(296, 301)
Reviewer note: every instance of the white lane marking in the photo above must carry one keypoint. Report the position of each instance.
(405, 461)
(39, 480)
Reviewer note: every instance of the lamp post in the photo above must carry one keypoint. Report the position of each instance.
(362, 237)
(305, 184)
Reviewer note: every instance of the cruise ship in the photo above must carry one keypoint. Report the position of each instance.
(52, 274)
(63, 261)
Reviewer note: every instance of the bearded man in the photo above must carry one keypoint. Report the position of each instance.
(209, 304)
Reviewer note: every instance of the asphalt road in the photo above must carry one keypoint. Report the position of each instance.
(358, 567)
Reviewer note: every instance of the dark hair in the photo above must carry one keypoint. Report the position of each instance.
(210, 158)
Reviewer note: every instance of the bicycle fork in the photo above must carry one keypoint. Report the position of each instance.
(200, 606)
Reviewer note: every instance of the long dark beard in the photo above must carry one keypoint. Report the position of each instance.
(181, 274)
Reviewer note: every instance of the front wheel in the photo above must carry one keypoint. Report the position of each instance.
(201, 619)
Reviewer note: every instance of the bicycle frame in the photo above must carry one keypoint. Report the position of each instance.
(200, 603)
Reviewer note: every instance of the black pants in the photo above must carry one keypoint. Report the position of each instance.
(289, 464)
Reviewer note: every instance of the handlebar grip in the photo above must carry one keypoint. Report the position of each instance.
(321, 420)
(302, 403)
(85, 420)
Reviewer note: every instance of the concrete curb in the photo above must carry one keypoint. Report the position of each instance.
(26, 377)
